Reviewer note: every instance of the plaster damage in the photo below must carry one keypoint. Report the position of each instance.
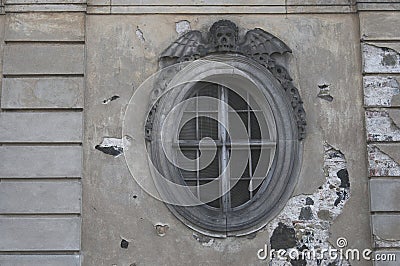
(380, 126)
(161, 229)
(324, 92)
(305, 221)
(381, 164)
(385, 243)
(379, 91)
(111, 146)
(112, 98)
(380, 59)
(182, 27)
(139, 34)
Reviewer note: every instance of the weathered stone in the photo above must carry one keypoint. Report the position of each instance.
(283, 237)
(309, 201)
(379, 91)
(379, 25)
(40, 161)
(20, 93)
(20, 59)
(40, 197)
(380, 127)
(394, 114)
(306, 213)
(42, 260)
(41, 127)
(386, 226)
(41, 234)
(32, 6)
(385, 194)
(380, 59)
(325, 215)
(45, 27)
(380, 164)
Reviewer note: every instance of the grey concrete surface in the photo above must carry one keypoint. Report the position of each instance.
(386, 226)
(42, 93)
(45, 27)
(41, 127)
(43, 58)
(40, 161)
(40, 234)
(40, 197)
(42, 260)
(385, 194)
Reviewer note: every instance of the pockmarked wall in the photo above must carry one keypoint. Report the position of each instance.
(122, 51)
(69, 70)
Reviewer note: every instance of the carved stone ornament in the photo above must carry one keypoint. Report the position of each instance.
(223, 37)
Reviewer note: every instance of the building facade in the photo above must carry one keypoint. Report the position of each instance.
(71, 174)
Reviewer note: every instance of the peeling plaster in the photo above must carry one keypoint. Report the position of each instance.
(321, 209)
(111, 146)
(384, 243)
(182, 27)
(139, 34)
(380, 59)
(324, 92)
(204, 240)
(380, 126)
(381, 164)
(380, 91)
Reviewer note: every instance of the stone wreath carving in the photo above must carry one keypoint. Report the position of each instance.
(223, 37)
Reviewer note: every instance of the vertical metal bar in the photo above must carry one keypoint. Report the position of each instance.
(249, 133)
(197, 149)
(225, 178)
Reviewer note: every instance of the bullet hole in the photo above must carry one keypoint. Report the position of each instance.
(134, 196)
(132, 264)
(343, 175)
(283, 237)
(112, 98)
(139, 34)
(309, 201)
(324, 92)
(124, 243)
(112, 150)
(161, 229)
(111, 146)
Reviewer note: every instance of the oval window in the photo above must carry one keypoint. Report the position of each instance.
(232, 140)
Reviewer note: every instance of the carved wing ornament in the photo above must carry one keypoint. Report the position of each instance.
(223, 37)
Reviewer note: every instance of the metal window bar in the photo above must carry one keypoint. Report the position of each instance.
(224, 144)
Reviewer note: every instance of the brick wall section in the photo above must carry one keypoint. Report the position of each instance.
(380, 41)
(42, 87)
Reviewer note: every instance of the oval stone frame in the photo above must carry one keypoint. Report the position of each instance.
(282, 177)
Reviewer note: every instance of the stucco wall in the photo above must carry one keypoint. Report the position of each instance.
(68, 70)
